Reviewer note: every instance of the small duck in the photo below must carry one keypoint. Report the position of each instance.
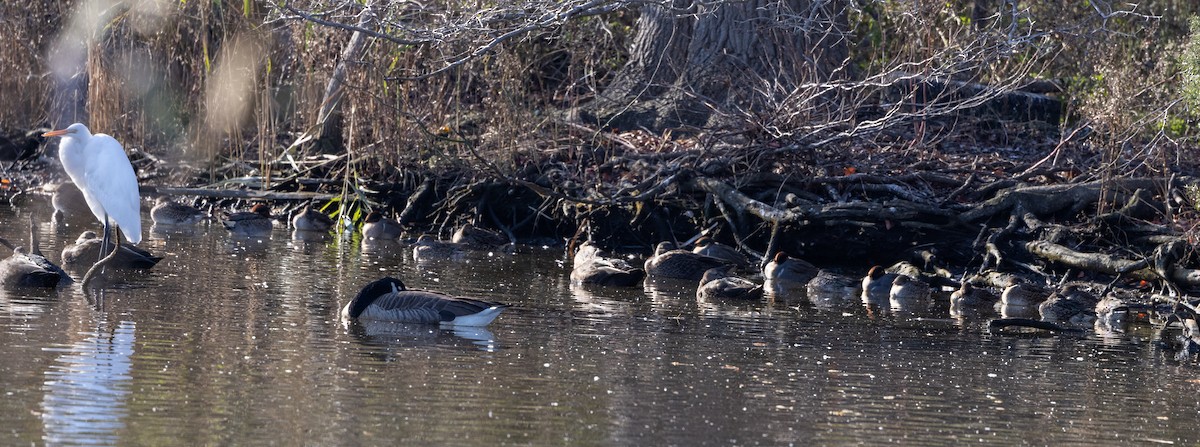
(720, 283)
(708, 247)
(87, 249)
(968, 300)
(670, 262)
(592, 267)
(830, 290)
(908, 293)
(312, 220)
(1072, 305)
(1021, 300)
(170, 212)
(1112, 314)
(29, 269)
(877, 286)
(68, 202)
(429, 249)
(388, 300)
(378, 227)
(478, 238)
(256, 222)
(785, 275)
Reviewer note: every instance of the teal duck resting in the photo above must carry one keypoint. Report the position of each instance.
(256, 222)
(1119, 309)
(785, 275)
(476, 238)
(908, 293)
(429, 249)
(388, 300)
(708, 247)
(377, 227)
(170, 212)
(831, 290)
(970, 300)
(720, 283)
(1021, 300)
(29, 269)
(669, 262)
(591, 266)
(312, 220)
(87, 249)
(68, 202)
(877, 286)
(1072, 305)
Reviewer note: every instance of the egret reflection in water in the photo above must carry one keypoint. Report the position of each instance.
(86, 387)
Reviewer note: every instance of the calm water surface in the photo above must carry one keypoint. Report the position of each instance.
(238, 341)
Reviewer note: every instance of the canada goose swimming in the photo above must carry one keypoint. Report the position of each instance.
(388, 300)
(969, 300)
(429, 249)
(669, 262)
(478, 238)
(312, 220)
(170, 212)
(720, 283)
(592, 267)
(877, 286)
(1021, 300)
(87, 248)
(829, 290)
(29, 269)
(1072, 305)
(908, 293)
(708, 247)
(378, 227)
(255, 222)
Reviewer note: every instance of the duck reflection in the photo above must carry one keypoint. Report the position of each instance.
(829, 290)
(392, 334)
(597, 300)
(308, 242)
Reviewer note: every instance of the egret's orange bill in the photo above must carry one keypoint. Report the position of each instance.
(56, 133)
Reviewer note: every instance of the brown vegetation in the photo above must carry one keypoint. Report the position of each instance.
(920, 125)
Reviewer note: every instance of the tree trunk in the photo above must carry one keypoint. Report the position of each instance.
(329, 118)
(700, 63)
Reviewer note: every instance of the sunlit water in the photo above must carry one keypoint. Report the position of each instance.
(238, 341)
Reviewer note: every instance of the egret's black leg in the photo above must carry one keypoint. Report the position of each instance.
(104, 239)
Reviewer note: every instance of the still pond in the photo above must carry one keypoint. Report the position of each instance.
(236, 341)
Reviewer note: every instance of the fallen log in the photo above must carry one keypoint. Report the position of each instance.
(236, 193)
(1051, 199)
(1091, 262)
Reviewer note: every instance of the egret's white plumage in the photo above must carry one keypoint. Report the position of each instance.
(97, 164)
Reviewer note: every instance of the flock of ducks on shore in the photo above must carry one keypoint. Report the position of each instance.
(719, 272)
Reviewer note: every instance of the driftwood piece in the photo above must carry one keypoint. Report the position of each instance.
(1050, 199)
(418, 201)
(743, 203)
(997, 325)
(980, 99)
(1110, 265)
(236, 193)
(329, 117)
(904, 213)
(1092, 262)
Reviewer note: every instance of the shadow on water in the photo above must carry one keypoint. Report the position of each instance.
(236, 340)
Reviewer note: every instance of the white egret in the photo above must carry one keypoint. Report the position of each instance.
(99, 167)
